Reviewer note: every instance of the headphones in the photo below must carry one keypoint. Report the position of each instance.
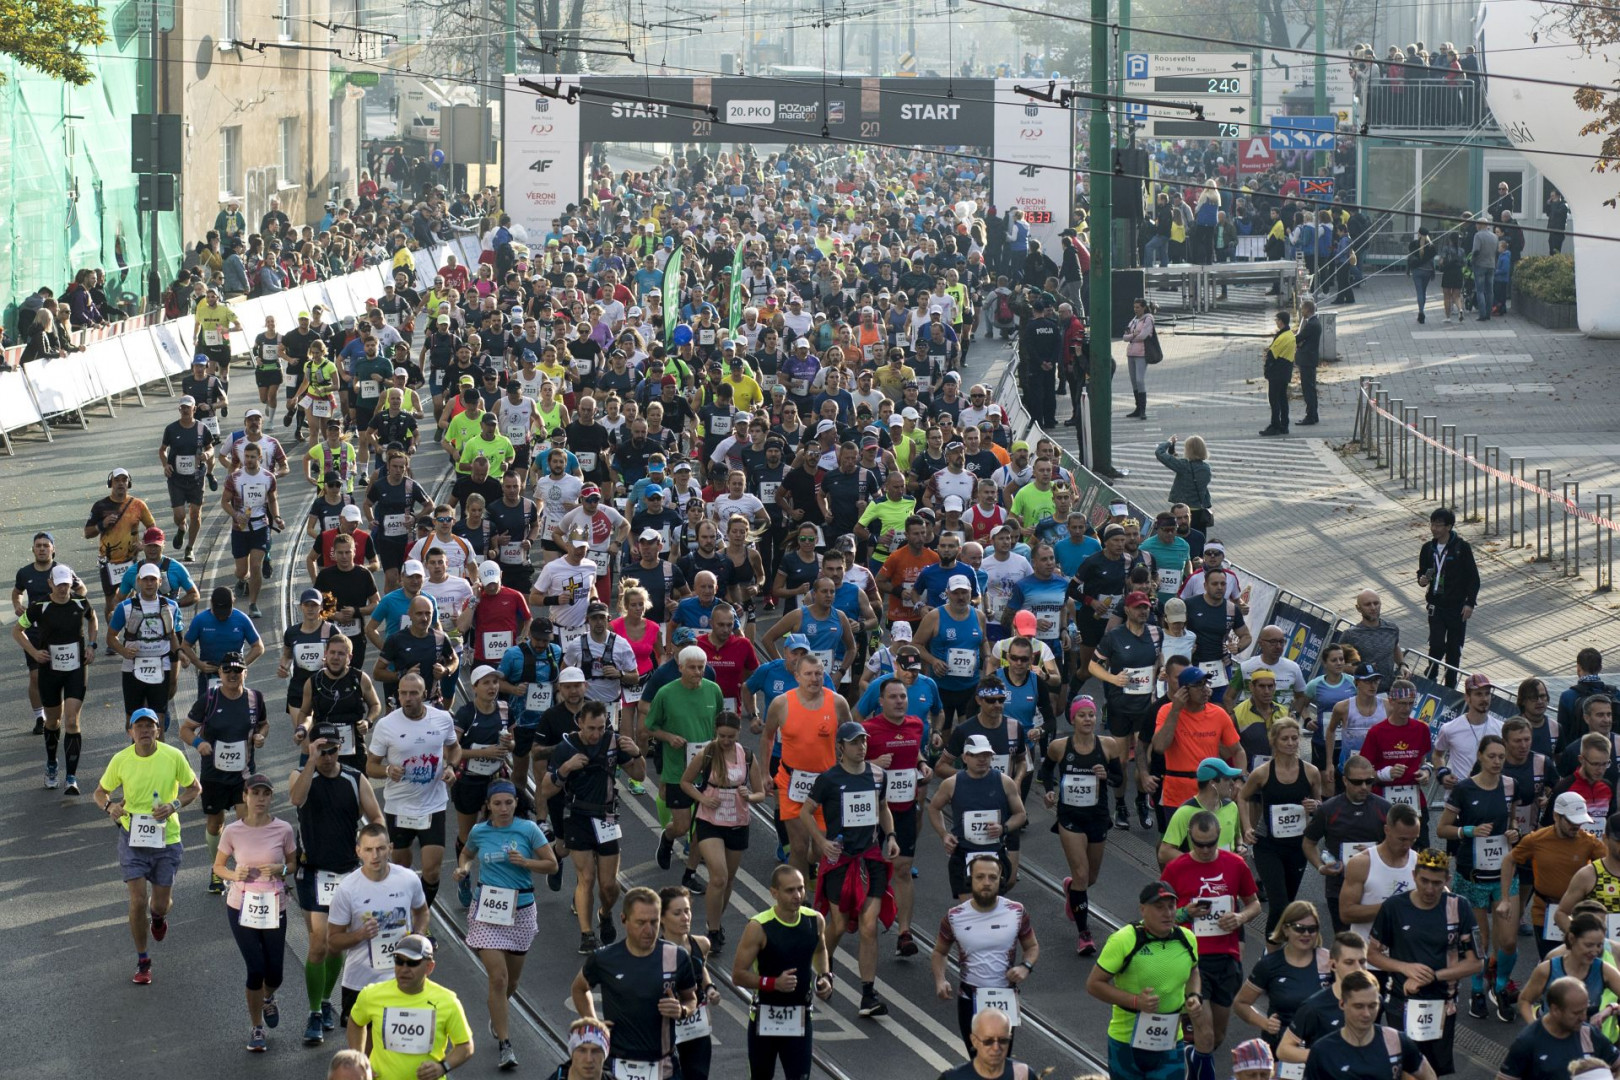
(127, 477)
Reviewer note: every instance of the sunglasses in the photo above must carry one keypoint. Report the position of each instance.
(450, 520)
(1202, 844)
(994, 1040)
(1361, 781)
(1303, 928)
(407, 961)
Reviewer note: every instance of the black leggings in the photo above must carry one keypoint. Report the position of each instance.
(695, 1057)
(1281, 866)
(263, 950)
(793, 1052)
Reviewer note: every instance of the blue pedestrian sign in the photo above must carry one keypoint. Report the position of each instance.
(1303, 132)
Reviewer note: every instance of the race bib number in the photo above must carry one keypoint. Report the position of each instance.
(116, 570)
(537, 699)
(413, 821)
(768, 490)
(729, 812)
(1405, 795)
(346, 740)
(1210, 925)
(781, 1020)
(408, 1031)
(1550, 929)
(635, 1070)
(391, 318)
(800, 784)
(149, 669)
(696, 1026)
(1079, 790)
(1002, 762)
(307, 655)
(185, 464)
(512, 553)
(393, 524)
(269, 352)
(719, 424)
(1169, 581)
(826, 658)
(632, 695)
(213, 338)
(383, 946)
(1489, 852)
(349, 629)
(231, 757)
(705, 337)
(961, 663)
(1425, 1020)
(1156, 1032)
(65, 657)
(1138, 681)
(369, 390)
(484, 766)
(1046, 624)
(326, 885)
(1216, 670)
(145, 831)
(321, 408)
(496, 642)
(693, 749)
(496, 906)
(860, 809)
(976, 826)
(1287, 821)
(587, 460)
(1348, 850)
(901, 786)
(607, 829)
(1004, 998)
(261, 910)
(1290, 1070)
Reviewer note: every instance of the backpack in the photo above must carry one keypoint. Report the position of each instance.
(1143, 941)
(1004, 308)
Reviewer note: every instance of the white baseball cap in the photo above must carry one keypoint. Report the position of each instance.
(350, 513)
(61, 575)
(489, 573)
(149, 570)
(977, 744)
(1572, 808)
(958, 581)
(571, 675)
(483, 671)
(413, 566)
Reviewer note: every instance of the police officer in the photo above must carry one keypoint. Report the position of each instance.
(1040, 352)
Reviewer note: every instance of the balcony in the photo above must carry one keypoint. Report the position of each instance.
(1426, 103)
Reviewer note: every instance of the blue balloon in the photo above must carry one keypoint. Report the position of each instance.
(683, 335)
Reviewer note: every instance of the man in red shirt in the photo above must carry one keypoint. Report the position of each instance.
(497, 618)
(732, 657)
(894, 744)
(1398, 750)
(1215, 896)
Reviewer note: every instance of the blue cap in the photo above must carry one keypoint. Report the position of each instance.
(653, 491)
(310, 596)
(1212, 767)
(142, 714)
(1192, 676)
(199, 359)
(795, 641)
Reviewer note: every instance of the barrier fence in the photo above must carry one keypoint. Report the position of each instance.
(140, 353)
(1431, 459)
(1309, 626)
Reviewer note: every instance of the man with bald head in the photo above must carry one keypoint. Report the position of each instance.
(992, 1036)
(1377, 639)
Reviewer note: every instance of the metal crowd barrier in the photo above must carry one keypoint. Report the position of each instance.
(1431, 460)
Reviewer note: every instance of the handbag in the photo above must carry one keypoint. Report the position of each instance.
(1152, 351)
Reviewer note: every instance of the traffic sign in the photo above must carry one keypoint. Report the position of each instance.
(1317, 186)
(1192, 128)
(1142, 66)
(1302, 132)
(1255, 154)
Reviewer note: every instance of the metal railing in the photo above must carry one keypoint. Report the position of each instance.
(1425, 101)
(1517, 502)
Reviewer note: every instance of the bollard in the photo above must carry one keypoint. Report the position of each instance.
(1385, 433)
(1516, 470)
(1431, 428)
(1491, 497)
(1572, 549)
(1357, 431)
(1604, 574)
(1448, 467)
(1375, 423)
(1407, 417)
(1471, 478)
(1543, 495)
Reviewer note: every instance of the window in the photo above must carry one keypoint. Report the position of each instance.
(230, 161)
(230, 28)
(287, 20)
(288, 144)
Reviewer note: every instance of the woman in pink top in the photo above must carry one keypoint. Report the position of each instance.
(262, 848)
(724, 779)
(642, 634)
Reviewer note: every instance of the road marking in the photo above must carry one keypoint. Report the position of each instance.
(1461, 332)
(1463, 389)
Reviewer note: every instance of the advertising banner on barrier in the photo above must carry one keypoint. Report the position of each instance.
(1033, 170)
(541, 170)
(1258, 598)
(1306, 633)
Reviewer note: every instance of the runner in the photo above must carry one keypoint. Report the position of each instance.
(1322, 1012)
(369, 914)
(391, 505)
(682, 717)
(782, 960)
(416, 750)
(985, 809)
(1277, 799)
(807, 718)
(486, 746)
(226, 725)
(52, 635)
(722, 779)
(1364, 1049)
(693, 1043)
(568, 585)
(529, 674)
(508, 851)
(412, 1023)
(955, 645)
(33, 586)
(251, 501)
(1126, 660)
(117, 524)
(186, 454)
(262, 849)
(339, 696)
(1294, 969)
(1074, 771)
(1148, 973)
(333, 800)
(149, 847)
(896, 736)
(987, 932)
(1343, 827)
(145, 631)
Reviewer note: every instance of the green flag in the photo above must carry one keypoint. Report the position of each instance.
(672, 294)
(737, 289)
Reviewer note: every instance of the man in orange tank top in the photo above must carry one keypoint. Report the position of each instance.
(807, 718)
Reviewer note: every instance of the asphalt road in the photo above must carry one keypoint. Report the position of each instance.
(67, 958)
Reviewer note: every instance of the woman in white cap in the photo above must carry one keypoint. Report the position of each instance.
(508, 851)
(486, 748)
(262, 847)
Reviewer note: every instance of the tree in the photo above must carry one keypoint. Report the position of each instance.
(545, 32)
(47, 35)
(1598, 27)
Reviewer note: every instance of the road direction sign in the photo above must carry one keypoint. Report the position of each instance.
(1303, 132)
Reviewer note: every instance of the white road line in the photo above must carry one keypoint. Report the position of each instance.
(1461, 332)
(1461, 389)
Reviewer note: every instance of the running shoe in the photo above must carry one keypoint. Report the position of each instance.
(717, 939)
(39, 725)
(257, 1042)
(213, 485)
(272, 1011)
(216, 885)
(871, 1006)
(329, 1016)
(605, 928)
(1084, 946)
(1501, 1007)
(314, 1031)
(464, 892)
(1122, 817)
(50, 776)
(254, 612)
(1068, 912)
(72, 786)
(666, 849)
(587, 944)
(160, 927)
(180, 537)
(1476, 1005)
(266, 567)
(143, 973)
(554, 881)
(241, 588)
(693, 883)
(905, 945)
(635, 787)
(781, 853)
(1145, 813)
(508, 1059)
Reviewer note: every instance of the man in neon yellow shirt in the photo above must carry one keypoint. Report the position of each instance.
(412, 1020)
(1034, 501)
(156, 781)
(489, 443)
(889, 515)
(746, 393)
(215, 321)
(462, 428)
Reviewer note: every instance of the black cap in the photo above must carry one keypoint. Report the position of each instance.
(1154, 892)
(233, 660)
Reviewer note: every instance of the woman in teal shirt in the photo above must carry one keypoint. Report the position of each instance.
(1326, 691)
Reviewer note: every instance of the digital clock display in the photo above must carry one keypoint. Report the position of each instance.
(1038, 217)
(1199, 85)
